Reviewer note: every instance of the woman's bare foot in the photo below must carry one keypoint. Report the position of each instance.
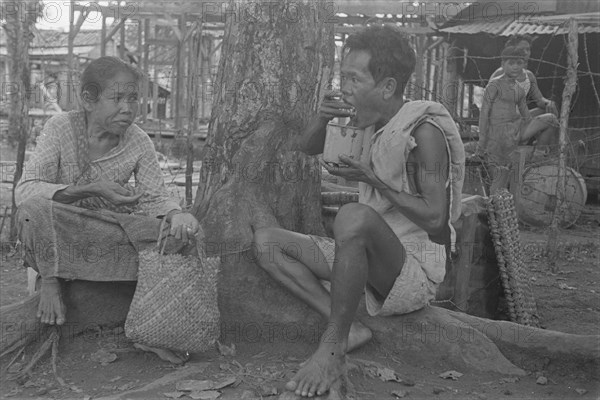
(319, 373)
(358, 336)
(164, 354)
(51, 309)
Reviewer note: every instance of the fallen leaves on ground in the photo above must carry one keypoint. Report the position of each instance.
(103, 357)
(376, 370)
(564, 286)
(174, 395)
(400, 393)
(225, 350)
(454, 375)
(205, 395)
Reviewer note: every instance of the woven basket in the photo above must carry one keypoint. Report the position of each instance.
(175, 301)
(514, 274)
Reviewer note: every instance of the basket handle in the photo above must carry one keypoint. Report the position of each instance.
(160, 236)
(199, 247)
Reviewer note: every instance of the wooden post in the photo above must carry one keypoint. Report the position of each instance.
(192, 94)
(140, 43)
(179, 98)
(570, 85)
(103, 37)
(155, 86)
(420, 69)
(145, 64)
(70, 41)
(450, 89)
(122, 45)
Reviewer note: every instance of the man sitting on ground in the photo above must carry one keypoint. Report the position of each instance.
(392, 244)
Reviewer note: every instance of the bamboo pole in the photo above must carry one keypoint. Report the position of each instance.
(570, 84)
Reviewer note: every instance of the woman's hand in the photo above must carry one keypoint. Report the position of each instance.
(185, 227)
(115, 193)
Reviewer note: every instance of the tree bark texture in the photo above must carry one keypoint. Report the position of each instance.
(270, 79)
(20, 16)
(276, 61)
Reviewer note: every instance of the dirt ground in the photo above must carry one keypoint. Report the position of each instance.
(567, 301)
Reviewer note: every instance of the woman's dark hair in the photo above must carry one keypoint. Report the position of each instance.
(96, 75)
(391, 53)
(514, 40)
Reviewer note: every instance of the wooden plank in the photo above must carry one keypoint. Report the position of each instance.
(167, 42)
(413, 30)
(464, 262)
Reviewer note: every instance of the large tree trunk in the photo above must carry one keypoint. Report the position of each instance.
(19, 17)
(276, 60)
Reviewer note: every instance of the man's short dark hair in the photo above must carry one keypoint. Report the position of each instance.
(513, 52)
(391, 53)
(514, 40)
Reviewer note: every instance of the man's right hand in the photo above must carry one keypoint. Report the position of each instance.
(115, 193)
(333, 106)
(312, 140)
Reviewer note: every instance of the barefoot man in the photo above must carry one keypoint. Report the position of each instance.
(78, 218)
(392, 244)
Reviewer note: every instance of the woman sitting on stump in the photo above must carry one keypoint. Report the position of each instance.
(78, 218)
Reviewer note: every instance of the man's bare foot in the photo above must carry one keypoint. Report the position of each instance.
(51, 309)
(358, 336)
(319, 373)
(164, 354)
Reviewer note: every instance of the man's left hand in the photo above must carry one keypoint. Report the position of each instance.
(185, 227)
(353, 170)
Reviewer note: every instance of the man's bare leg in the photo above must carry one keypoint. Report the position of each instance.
(299, 269)
(51, 309)
(367, 250)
